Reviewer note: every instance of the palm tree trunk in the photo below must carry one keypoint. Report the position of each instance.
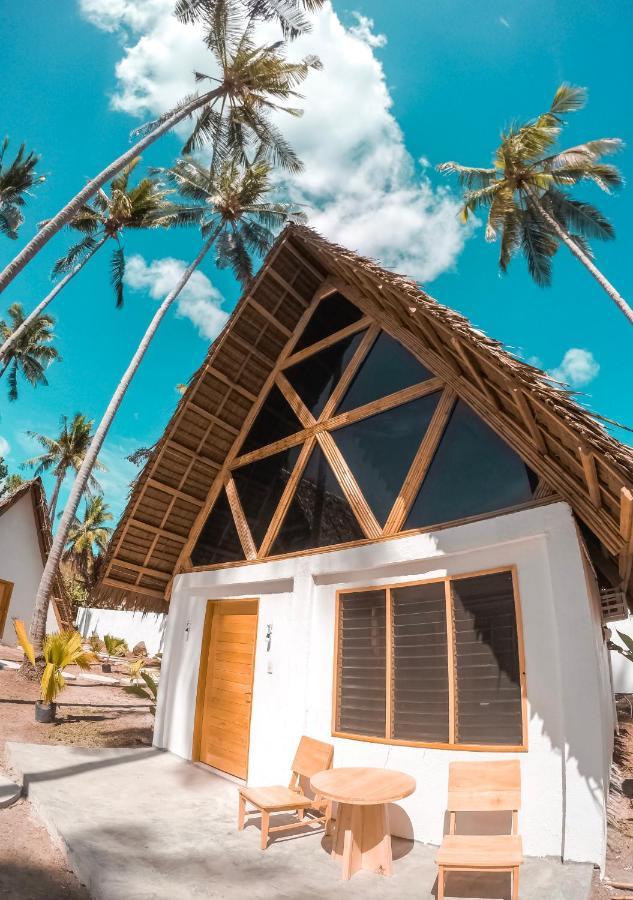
(47, 581)
(566, 238)
(52, 506)
(47, 299)
(73, 206)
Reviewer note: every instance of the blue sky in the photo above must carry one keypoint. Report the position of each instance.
(405, 86)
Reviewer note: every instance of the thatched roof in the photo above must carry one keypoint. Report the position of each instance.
(563, 442)
(35, 489)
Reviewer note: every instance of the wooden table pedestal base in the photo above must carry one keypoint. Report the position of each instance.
(362, 839)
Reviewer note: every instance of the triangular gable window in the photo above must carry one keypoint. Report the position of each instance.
(319, 514)
(472, 473)
(274, 421)
(218, 541)
(260, 486)
(387, 368)
(315, 378)
(380, 450)
(332, 314)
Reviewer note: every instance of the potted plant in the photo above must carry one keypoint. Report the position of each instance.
(60, 650)
(114, 647)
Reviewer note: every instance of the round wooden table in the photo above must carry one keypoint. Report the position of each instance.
(362, 839)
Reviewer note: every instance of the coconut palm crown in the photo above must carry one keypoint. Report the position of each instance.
(145, 205)
(16, 180)
(63, 453)
(526, 193)
(290, 14)
(88, 537)
(32, 351)
(230, 202)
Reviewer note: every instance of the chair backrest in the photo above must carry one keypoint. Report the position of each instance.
(312, 757)
(484, 786)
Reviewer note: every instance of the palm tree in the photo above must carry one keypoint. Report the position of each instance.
(88, 537)
(146, 205)
(64, 452)
(10, 483)
(234, 112)
(31, 352)
(524, 193)
(15, 181)
(236, 216)
(289, 13)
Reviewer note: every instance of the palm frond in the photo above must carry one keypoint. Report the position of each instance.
(117, 274)
(539, 246)
(576, 216)
(469, 176)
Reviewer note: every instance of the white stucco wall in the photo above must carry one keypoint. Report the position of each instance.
(21, 563)
(132, 626)
(570, 725)
(622, 668)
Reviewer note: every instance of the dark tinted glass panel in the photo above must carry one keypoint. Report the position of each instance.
(379, 450)
(420, 663)
(315, 378)
(260, 485)
(473, 472)
(332, 314)
(362, 663)
(319, 515)
(387, 368)
(274, 421)
(218, 541)
(488, 693)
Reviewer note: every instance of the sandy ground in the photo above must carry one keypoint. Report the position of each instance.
(92, 714)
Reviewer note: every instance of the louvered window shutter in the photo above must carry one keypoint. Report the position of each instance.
(362, 663)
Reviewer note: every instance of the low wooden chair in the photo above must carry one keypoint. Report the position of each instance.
(311, 757)
(482, 787)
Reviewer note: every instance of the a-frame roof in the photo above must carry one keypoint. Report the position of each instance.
(567, 446)
(35, 490)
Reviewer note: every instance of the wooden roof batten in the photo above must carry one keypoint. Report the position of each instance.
(569, 449)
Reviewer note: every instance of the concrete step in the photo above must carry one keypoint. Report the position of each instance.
(9, 791)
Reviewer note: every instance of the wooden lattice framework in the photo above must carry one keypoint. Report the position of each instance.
(573, 455)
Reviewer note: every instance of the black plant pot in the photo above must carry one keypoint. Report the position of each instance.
(106, 667)
(45, 712)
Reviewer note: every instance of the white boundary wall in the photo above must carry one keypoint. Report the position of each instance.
(21, 563)
(132, 626)
(622, 668)
(570, 731)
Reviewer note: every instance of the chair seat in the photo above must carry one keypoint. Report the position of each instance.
(276, 798)
(480, 851)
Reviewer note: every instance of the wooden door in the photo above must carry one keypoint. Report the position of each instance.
(225, 689)
(6, 587)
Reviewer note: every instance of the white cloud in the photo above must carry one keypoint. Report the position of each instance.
(199, 301)
(360, 184)
(503, 21)
(577, 367)
(5, 446)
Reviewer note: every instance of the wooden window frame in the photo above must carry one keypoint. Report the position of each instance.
(451, 744)
(6, 590)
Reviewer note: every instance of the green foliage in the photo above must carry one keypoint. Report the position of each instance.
(147, 691)
(76, 591)
(529, 176)
(627, 650)
(65, 452)
(31, 353)
(10, 484)
(290, 14)
(115, 646)
(88, 537)
(147, 205)
(231, 202)
(60, 650)
(96, 644)
(16, 180)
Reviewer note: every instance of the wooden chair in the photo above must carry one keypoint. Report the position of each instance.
(311, 757)
(482, 787)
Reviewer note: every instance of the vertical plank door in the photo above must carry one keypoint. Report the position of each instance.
(6, 587)
(228, 690)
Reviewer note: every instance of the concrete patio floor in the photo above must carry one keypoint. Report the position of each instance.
(140, 824)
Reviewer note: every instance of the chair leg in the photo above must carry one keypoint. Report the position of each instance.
(515, 883)
(440, 883)
(241, 813)
(265, 824)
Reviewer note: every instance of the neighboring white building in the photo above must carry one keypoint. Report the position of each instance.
(25, 538)
(621, 666)
(133, 627)
(376, 527)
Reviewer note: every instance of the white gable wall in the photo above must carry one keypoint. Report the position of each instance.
(21, 563)
(564, 771)
(133, 627)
